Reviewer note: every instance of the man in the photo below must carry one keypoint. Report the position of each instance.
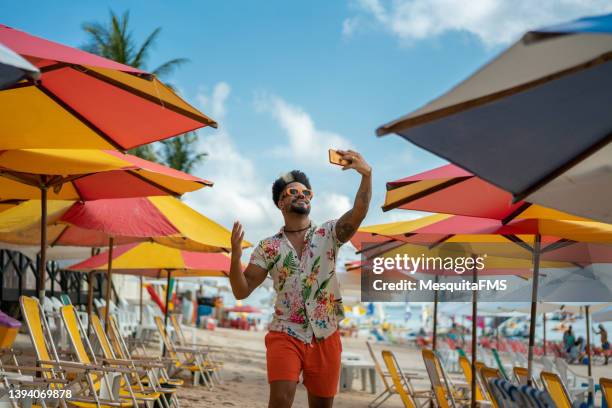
(301, 259)
(605, 344)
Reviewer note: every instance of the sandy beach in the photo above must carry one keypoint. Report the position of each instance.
(244, 373)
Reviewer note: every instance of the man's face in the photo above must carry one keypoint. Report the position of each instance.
(295, 199)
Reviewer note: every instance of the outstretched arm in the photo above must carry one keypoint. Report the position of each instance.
(348, 224)
(243, 283)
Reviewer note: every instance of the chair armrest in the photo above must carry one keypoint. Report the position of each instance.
(139, 363)
(86, 367)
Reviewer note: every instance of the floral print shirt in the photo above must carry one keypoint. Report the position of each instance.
(308, 302)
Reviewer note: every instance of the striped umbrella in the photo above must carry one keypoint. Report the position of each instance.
(84, 174)
(154, 260)
(83, 100)
(534, 121)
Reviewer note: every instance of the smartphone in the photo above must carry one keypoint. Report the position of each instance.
(335, 158)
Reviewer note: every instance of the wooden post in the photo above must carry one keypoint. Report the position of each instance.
(434, 340)
(588, 348)
(534, 307)
(43, 245)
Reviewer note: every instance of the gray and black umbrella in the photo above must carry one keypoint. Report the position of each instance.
(536, 121)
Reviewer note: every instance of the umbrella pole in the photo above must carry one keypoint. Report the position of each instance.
(534, 306)
(434, 340)
(588, 347)
(474, 337)
(141, 307)
(168, 295)
(167, 307)
(544, 334)
(109, 277)
(90, 281)
(43, 245)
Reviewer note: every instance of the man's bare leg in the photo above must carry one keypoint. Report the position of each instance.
(319, 402)
(282, 394)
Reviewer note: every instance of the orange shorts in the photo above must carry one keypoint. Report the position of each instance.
(319, 362)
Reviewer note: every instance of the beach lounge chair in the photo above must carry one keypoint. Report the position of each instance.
(446, 395)
(207, 350)
(421, 398)
(121, 350)
(486, 375)
(521, 375)
(140, 369)
(85, 355)
(576, 384)
(187, 359)
(557, 390)
(84, 393)
(400, 385)
(466, 366)
(388, 389)
(606, 389)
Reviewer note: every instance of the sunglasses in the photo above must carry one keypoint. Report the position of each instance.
(296, 191)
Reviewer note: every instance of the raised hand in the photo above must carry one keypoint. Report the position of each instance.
(355, 161)
(237, 238)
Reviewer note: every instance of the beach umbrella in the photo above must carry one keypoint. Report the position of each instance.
(13, 68)
(582, 290)
(84, 174)
(161, 219)
(437, 229)
(457, 191)
(450, 189)
(82, 100)
(534, 121)
(153, 260)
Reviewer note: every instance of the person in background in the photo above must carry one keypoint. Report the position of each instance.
(605, 344)
(568, 339)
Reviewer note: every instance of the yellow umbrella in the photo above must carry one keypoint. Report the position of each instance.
(163, 219)
(154, 260)
(84, 174)
(92, 223)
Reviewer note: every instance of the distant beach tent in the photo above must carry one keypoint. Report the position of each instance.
(13, 68)
(535, 121)
(85, 101)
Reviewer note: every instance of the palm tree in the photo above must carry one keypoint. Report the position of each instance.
(113, 40)
(179, 154)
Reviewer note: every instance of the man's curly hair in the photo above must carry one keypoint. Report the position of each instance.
(281, 183)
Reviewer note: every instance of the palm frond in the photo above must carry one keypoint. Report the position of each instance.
(143, 51)
(169, 66)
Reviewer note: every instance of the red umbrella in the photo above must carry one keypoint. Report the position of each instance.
(452, 190)
(85, 101)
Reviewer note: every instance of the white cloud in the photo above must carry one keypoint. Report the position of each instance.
(306, 143)
(215, 103)
(239, 192)
(494, 22)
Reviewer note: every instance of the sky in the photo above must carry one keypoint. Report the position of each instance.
(287, 80)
